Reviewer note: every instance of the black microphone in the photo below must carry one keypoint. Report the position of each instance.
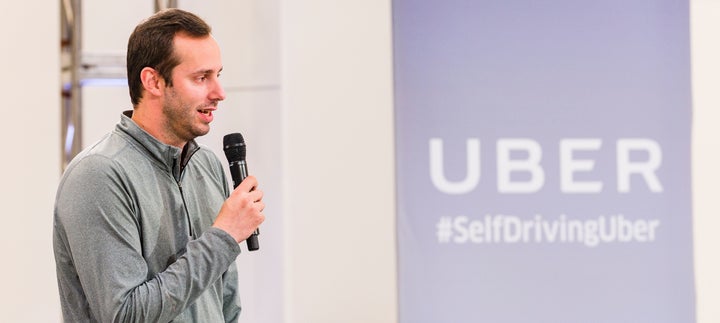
(234, 147)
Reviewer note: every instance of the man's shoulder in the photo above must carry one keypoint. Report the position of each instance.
(105, 154)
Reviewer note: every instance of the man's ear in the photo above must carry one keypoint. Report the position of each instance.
(152, 81)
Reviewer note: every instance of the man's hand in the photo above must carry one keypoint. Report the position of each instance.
(242, 213)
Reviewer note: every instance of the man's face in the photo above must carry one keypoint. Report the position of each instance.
(190, 101)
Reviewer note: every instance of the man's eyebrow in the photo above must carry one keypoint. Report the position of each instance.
(207, 71)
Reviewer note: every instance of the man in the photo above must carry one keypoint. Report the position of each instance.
(143, 231)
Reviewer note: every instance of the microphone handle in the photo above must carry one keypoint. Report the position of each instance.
(238, 171)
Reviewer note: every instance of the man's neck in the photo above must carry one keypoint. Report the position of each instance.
(148, 122)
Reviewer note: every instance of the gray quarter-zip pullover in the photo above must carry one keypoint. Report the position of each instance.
(132, 233)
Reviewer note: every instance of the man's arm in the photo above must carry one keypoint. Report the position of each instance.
(231, 300)
(103, 236)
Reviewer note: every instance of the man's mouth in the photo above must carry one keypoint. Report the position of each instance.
(206, 112)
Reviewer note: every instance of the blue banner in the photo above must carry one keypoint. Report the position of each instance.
(543, 161)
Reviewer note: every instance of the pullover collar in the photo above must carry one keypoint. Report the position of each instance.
(170, 158)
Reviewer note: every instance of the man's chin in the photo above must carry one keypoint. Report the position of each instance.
(201, 132)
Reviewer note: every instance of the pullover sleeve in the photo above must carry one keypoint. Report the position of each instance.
(100, 235)
(231, 298)
(231, 301)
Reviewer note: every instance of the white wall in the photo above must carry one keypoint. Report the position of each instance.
(107, 24)
(30, 163)
(339, 161)
(705, 31)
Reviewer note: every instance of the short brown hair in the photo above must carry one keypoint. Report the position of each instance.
(151, 45)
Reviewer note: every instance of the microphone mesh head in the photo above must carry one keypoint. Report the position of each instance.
(234, 147)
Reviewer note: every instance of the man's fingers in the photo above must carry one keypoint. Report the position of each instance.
(248, 184)
(260, 206)
(257, 195)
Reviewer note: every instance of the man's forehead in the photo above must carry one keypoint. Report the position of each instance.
(198, 54)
